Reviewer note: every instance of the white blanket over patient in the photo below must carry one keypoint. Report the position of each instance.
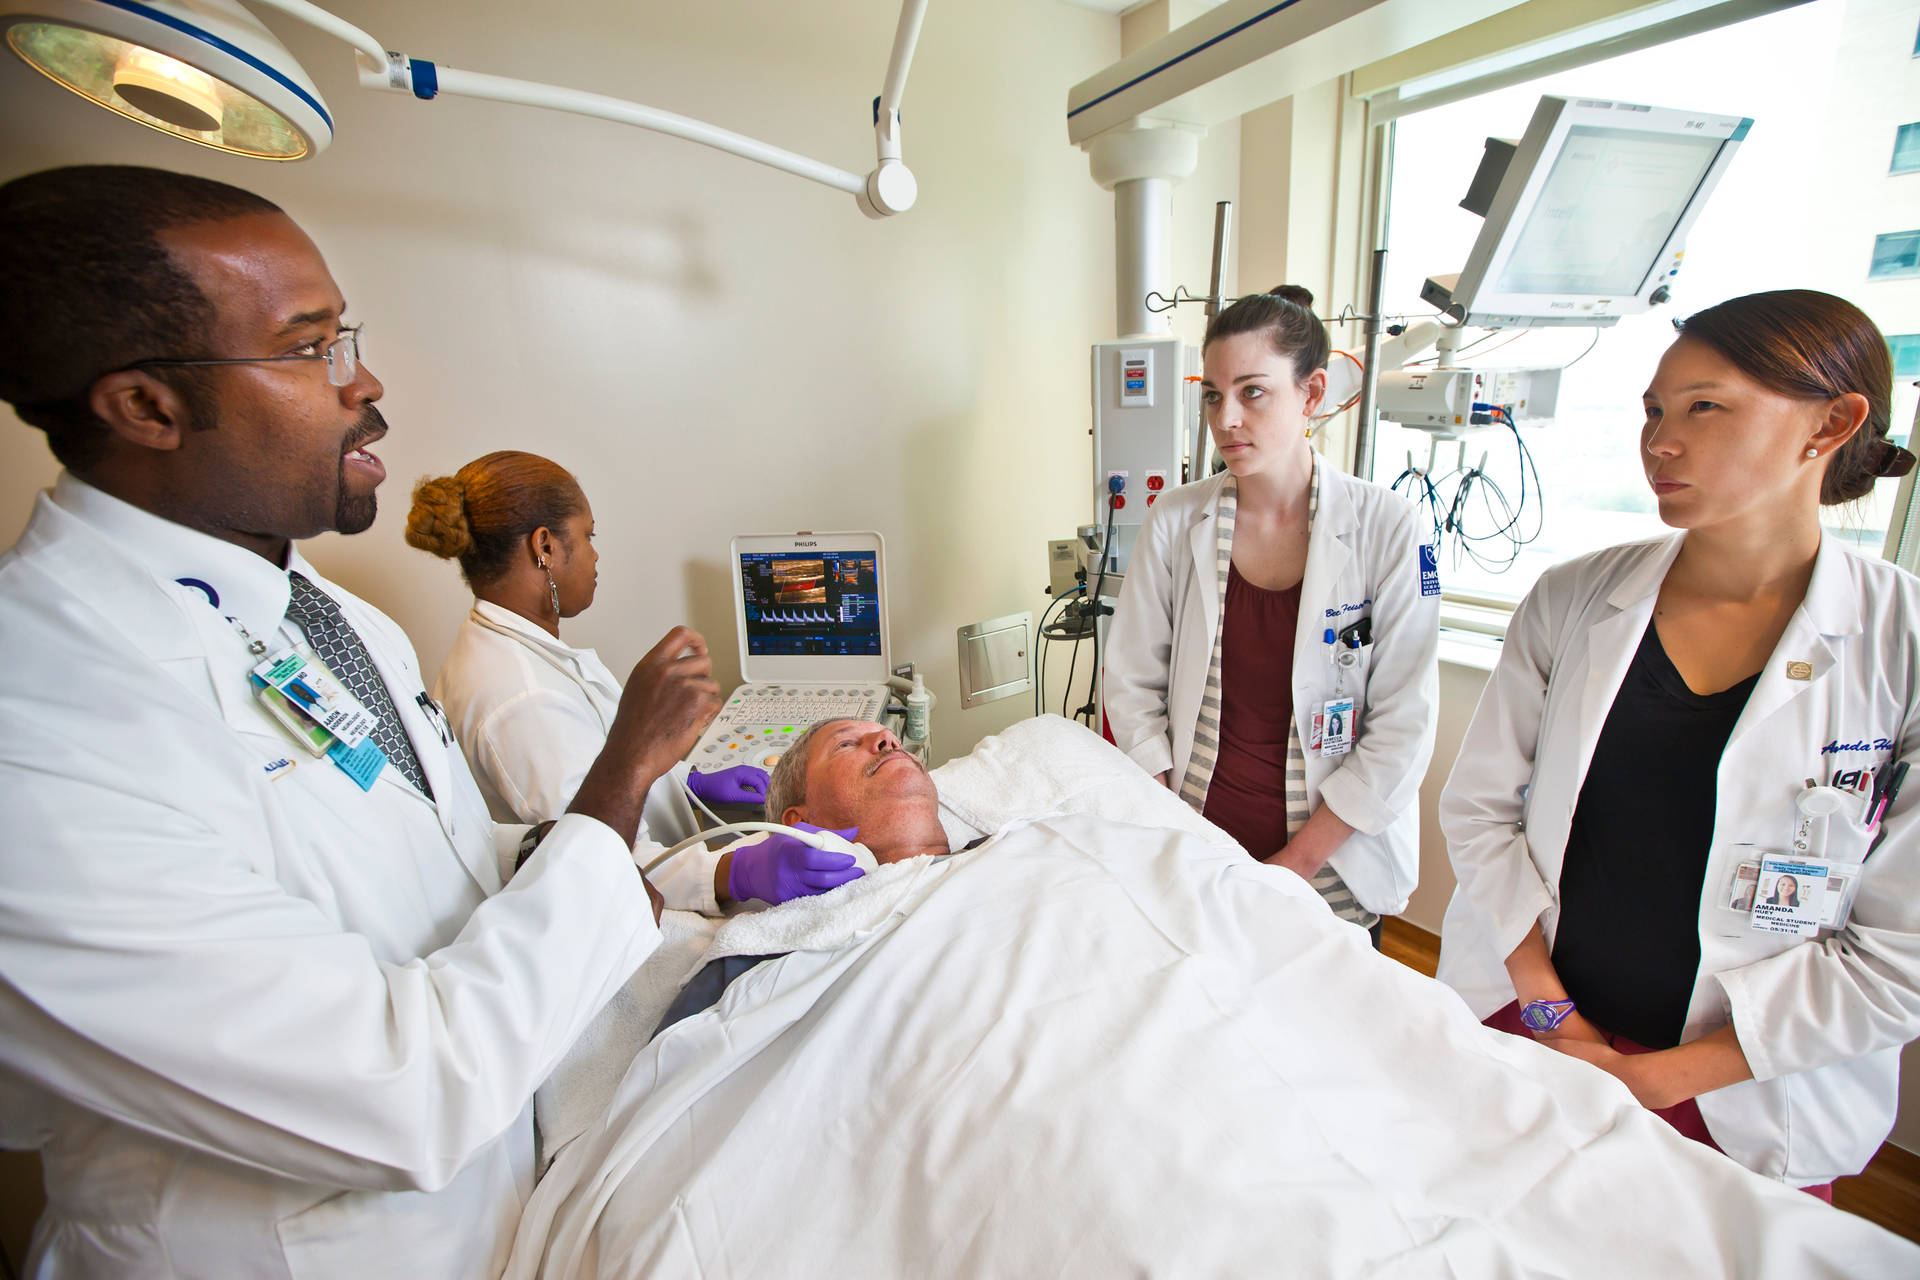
(1045, 765)
(1093, 1048)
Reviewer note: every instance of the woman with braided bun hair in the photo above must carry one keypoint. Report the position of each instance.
(532, 712)
(1273, 654)
(1662, 713)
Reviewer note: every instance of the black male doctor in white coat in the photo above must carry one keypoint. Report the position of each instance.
(258, 1020)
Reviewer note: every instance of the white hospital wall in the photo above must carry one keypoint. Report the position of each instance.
(712, 346)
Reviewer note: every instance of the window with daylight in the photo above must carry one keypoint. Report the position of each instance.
(1798, 73)
(1906, 149)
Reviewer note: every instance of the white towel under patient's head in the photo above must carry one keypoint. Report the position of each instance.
(1052, 765)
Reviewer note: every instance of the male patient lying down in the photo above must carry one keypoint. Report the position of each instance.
(1107, 1042)
(837, 775)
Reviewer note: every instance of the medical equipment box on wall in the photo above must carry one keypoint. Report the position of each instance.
(1144, 409)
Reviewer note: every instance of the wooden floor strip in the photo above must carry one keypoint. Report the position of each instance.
(1887, 1191)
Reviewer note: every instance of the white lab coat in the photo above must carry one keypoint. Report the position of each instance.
(1821, 1020)
(532, 712)
(1363, 559)
(258, 1021)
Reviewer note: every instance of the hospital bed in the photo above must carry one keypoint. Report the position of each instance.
(1105, 1042)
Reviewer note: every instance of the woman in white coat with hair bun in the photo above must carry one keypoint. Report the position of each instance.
(1272, 657)
(532, 711)
(1678, 726)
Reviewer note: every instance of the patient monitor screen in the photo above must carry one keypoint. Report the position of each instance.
(828, 603)
(1610, 202)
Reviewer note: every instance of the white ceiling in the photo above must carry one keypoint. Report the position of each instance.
(1114, 6)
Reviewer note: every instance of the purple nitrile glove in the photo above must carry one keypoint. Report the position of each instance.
(742, 784)
(783, 867)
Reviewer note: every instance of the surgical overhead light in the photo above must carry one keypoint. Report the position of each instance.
(168, 90)
(208, 72)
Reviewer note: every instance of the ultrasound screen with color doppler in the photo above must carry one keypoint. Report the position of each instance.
(798, 604)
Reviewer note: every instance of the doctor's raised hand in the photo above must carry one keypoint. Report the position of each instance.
(670, 698)
(1642, 883)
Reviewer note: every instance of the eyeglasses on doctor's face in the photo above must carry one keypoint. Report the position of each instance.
(342, 356)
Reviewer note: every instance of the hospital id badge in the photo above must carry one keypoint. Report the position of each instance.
(304, 681)
(1741, 886)
(1791, 895)
(316, 740)
(1336, 732)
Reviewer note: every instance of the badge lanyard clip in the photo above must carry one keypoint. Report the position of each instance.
(1814, 808)
(1334, 727)
(1347, 648)
(1803, 891)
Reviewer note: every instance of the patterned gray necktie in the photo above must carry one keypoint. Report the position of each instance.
(338, 645)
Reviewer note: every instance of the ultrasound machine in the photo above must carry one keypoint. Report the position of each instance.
(811, 613)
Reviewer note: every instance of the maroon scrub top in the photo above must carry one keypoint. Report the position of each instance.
(1248, 795)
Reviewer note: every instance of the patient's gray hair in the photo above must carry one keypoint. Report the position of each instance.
(788, 785)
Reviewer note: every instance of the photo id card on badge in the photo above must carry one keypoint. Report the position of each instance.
(1735, 868)
(315, 739)
(1336, 733)
(1740, 890)
(1791, 896)
(305, 681)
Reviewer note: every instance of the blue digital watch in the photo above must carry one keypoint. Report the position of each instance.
(1545, 1015)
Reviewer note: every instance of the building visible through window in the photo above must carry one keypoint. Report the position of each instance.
(1896, 254)
(1906, 150)
(1906, 354)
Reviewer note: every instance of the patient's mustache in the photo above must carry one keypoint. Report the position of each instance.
(887, 755)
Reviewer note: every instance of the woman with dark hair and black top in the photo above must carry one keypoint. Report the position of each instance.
(1273, 654)
(1658, 713)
